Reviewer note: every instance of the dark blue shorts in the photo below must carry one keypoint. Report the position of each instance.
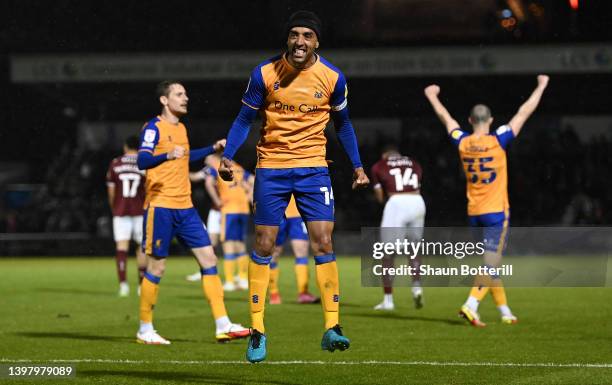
(234, 227)
(310, 186)
(161, 225)
(292, 228)
(492, 228)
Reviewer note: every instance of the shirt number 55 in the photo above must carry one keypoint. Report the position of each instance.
(477, 170)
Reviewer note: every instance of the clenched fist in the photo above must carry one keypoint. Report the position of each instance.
(432, 90)
(177, 153)
(360, 179)
(543, 80)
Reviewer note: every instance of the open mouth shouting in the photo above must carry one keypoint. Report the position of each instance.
(298, 53)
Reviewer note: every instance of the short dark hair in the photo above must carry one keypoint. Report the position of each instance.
(480, 114)
(163, 88)
(131, 142)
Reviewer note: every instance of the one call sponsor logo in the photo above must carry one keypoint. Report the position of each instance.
(303, 108)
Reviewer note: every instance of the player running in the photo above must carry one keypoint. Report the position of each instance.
(164, 152)
(483, 155)
(125, 186)
(399, 177)
(293, 228)
(296, 93)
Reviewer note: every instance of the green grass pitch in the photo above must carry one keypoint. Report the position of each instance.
(67, 309)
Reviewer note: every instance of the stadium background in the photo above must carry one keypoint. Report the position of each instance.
(58, 136)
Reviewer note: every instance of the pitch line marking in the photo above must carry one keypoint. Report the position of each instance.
(299, 362)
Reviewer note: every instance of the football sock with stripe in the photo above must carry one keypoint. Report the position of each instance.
(148, 297)
(301, 274)
(213, 290)
(259, 278)
(327, 279)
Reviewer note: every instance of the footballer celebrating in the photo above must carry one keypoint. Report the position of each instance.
(483, 155)
(164, 152)
(296, 93)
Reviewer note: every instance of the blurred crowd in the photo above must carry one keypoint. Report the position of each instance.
(555, 178)
(73, 198)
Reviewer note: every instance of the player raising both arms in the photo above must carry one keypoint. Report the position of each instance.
(164, 152)
(125, 184)
(483, 155)
(399, 178)
(296, 93)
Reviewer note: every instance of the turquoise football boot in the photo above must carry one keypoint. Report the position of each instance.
(333, 339)
(256, 351)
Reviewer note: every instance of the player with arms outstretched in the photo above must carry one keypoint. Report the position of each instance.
(398, 178)
(125, 185)
(296, 93)
(483, 155)
(164, 152)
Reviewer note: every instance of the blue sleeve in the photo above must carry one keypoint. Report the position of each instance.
(211, 171)
(147, 160)
(239, 131)
(346, 135)
(255, 93)
(504, 135)
(200, 153)
(456, 135)
(149, 137)
(338, 100)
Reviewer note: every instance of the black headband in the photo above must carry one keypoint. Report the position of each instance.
(305, 19)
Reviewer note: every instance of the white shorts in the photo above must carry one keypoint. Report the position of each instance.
(126, 228)
(213, 222)
(406, 213)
